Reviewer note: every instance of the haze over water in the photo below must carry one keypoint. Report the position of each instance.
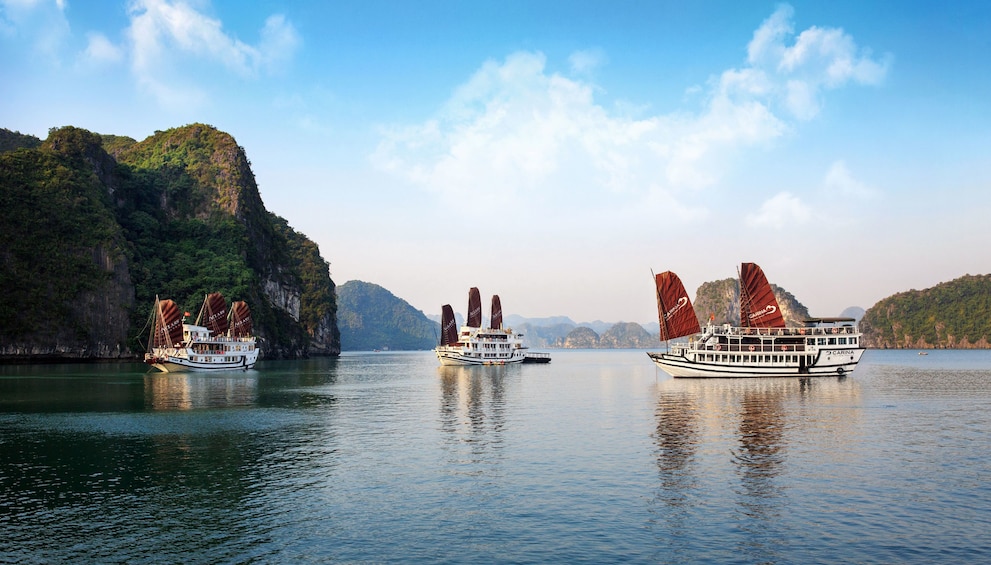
(597, 457)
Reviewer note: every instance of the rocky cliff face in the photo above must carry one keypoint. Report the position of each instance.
(721, 299)
(89, 239)
(67, 291)
(581, 338)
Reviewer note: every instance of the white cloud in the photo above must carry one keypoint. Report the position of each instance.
(819, 58)
(836, 202)
(514, 128)
(840, 183)
(781, 210)
(41, 22)
(279, 40)
(101, 51)
(163, 30)
(586, 61)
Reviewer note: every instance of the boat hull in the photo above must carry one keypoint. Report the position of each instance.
(833, 363)
(458, 358)
(180, 365)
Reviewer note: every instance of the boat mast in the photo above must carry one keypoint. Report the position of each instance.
(661, 309)
(156, 313)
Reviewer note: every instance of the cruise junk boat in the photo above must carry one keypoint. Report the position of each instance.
(223, 343)
(476, 345)
(761, 346)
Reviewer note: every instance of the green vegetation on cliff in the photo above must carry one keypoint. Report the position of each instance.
(11, 140)
(371, 317)
(955, 314)
(59, 244)
(177, 215)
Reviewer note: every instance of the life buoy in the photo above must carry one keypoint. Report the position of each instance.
(784, 348)
(718, 347)
(802, 331)
(751, 348)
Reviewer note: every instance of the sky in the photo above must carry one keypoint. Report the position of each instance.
(558, 152)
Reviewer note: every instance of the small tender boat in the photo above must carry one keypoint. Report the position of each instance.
(534, 357)
(223, 343)
(761, 346)
(475, 345)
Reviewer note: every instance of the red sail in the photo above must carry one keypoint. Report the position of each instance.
(240, 320)
(496, 323)
(213, 314)
(758, 306)
(448, 326)
(674, 309)
(168, 324)
(474, 308)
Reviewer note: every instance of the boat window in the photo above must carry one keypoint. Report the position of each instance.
(832, 341)
(822, 341)
(842, 341)
(853, 341)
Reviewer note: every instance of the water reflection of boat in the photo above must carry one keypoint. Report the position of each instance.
(751, 425)
(473, 405)
(176, 391)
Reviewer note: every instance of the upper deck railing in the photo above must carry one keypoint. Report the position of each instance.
(803, 331)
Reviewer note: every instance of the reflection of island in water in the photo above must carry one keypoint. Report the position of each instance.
(700, 421)
(179, 391)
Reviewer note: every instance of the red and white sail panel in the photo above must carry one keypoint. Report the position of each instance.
(240, 320)
(496, 320)
(758, 306)
(213, 314)
(448, 326)
(474, 308)
(168, 324)
(674, 309)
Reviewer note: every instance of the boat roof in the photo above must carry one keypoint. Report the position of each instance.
(813, 321)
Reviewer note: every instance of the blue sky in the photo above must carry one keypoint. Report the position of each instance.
(555, 153)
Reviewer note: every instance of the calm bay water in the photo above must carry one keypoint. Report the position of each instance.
(597, 457)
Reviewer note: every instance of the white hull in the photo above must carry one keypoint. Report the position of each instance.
(834, 364)
(454, 358)
(728, 352)
(183, 365)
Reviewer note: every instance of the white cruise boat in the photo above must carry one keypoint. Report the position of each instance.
(223, 343)
(761, 346)
(475, 345)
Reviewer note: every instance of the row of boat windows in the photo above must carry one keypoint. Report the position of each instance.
(491, 346)
(817, 341)
(215, 359)
(210, 348)
(760, 359)
(831, 341)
